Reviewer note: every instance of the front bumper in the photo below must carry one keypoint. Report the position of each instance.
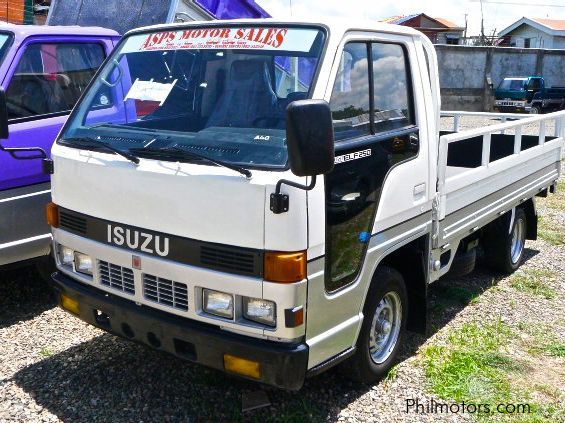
(283, 365)
(510, 106)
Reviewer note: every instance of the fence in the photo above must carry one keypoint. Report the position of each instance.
(465, 71)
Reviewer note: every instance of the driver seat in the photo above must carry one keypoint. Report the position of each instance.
(248, 98)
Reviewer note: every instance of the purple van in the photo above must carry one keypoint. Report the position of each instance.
(43, 71)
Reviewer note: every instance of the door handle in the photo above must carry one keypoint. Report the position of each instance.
(414, 141)
(419, 189)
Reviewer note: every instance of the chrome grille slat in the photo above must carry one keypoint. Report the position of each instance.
(165, 292)
(116, 277)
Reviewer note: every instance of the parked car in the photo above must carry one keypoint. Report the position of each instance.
(43, 70)
(238, 211)
(528, 94)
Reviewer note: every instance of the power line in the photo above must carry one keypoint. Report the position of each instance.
(516, 3)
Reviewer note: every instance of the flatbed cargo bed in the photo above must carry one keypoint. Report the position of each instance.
(484, 172)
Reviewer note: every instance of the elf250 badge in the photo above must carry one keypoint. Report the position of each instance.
(352, 156)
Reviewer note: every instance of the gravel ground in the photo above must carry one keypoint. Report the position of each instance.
(54, 368)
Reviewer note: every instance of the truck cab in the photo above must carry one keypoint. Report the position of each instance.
(272, 198)
(43, 71)
(515, 94)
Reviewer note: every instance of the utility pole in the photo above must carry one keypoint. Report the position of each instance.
(465, 33)
(482, 25)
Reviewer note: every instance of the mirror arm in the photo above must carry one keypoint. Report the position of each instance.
(279, 201)
(47, 164)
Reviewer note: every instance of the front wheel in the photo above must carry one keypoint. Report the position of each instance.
(382, 331)
(535, 110)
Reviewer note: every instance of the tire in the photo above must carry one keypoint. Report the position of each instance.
(463, 264)
(504, 251)
(45, 267)
(535, 110)
(387, 295)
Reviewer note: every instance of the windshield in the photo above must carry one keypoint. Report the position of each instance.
(5, 44)
(220, 92)
(513, 84)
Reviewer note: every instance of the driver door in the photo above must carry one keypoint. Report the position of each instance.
(380, 180)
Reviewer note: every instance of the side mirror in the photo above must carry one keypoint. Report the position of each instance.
(310, 141)
(20, 153)
(310, 137)
(4, 128)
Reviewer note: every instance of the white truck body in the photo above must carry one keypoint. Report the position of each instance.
(132, 220)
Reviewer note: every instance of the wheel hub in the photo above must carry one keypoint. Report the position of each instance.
(518, 240)
(385, 327)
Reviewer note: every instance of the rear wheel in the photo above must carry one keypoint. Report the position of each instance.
(382, 331)
(504, 248)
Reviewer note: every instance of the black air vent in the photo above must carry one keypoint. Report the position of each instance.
(223, 150)
(223, 259)
(72, 222)
(123, 139)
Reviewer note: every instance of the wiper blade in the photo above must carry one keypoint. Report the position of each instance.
(93, 142)
(175, 152)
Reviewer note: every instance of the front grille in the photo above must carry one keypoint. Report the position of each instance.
(224, 259)
(72, 222)
(116, 277)
(165, 292)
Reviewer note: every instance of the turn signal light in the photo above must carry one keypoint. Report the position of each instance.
(52, 212)
(285, 267)
(70, 304)
(242, 366)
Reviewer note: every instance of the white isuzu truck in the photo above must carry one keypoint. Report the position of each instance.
(272, 198)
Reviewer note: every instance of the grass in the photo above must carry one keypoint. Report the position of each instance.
(534, 281)
(556, 201)
(554, 234)
(461, 295)
(392, 374)
(46, 352)
(471, 367)
(542, 341)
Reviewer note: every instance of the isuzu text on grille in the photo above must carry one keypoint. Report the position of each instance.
(136, 240)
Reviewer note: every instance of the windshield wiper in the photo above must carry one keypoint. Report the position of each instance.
(175, 152)
(93, 142)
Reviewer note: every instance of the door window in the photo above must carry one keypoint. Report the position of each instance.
(372, 104)
(350, 103)
(393, 105)
(534, 85)
(50, 78)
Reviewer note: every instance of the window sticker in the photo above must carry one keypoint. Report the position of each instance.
(150, 91)
(256, 38)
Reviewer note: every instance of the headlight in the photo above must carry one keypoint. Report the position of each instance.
(66, 255)
(83, 263)
(217, 303)
(261, 311)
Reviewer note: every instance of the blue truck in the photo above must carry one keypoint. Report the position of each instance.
(528, 95)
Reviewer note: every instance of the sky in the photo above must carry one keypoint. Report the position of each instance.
(497, 16)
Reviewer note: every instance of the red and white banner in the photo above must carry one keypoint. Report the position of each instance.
(261, 38)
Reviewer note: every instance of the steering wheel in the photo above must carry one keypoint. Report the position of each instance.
(270, 122)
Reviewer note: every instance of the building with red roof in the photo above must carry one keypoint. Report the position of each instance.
(439, 30)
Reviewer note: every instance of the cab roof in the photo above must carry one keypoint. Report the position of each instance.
(336, 26)
(24, 31)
